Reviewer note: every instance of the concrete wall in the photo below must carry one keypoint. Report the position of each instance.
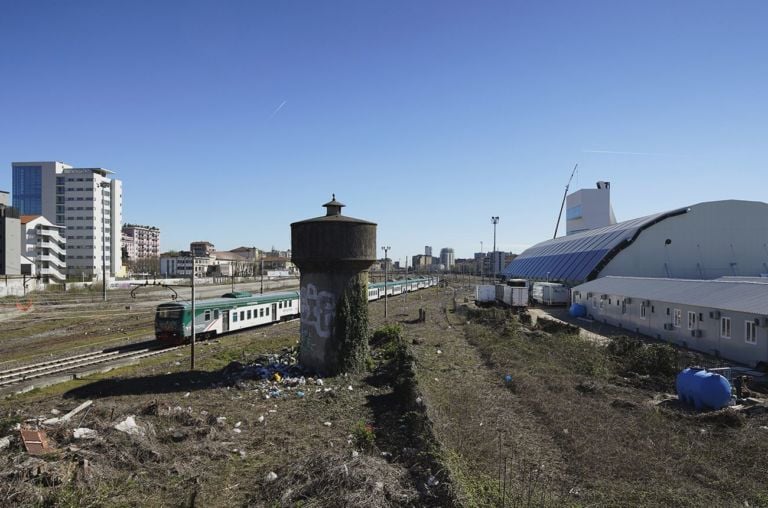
(595, 210)
(712, 240)
(615, 310)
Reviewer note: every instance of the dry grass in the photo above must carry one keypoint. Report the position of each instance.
(619, 448)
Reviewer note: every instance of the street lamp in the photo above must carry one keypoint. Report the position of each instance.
(104, 185)
(494, 220)
(385, 249)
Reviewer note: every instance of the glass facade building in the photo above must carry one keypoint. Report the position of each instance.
(28, 189)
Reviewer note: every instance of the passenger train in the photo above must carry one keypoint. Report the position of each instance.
(240, 310)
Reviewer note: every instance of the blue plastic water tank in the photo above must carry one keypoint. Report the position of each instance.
(577, 310)
(702, 389)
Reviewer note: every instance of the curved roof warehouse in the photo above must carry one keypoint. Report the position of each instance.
(703, 241)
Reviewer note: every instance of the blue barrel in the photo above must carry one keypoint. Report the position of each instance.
(702, 389)
(577, 310)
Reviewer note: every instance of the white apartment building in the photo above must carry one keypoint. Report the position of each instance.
(44, 245)
(88, 201)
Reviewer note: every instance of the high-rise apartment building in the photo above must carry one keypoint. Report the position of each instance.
(447, 258)
(44, 245)
(428, 250)
(142, 241)
(88, 201)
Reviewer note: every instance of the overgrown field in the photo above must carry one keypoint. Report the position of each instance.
(467, 408)
(598, 407)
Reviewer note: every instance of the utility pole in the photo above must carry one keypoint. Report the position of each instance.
(192, 344)
(494, 220)
(261, 291)
(385, 249)
(406, 284)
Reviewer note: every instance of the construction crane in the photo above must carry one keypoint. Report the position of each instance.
(565, 195)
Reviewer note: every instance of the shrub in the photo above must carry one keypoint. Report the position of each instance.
(364, 435)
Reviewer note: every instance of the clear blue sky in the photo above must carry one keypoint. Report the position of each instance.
(228, 120)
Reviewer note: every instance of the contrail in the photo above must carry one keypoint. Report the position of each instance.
(621, 153)
(277, 109)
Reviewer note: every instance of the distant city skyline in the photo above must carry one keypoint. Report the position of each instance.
(228, 121)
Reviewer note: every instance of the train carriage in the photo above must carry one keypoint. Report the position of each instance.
(241, 310)
(233, 311)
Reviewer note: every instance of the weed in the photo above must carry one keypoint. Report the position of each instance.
(364, 435)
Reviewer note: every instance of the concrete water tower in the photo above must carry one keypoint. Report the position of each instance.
(333, 253)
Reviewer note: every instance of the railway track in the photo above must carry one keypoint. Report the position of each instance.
(72, 364)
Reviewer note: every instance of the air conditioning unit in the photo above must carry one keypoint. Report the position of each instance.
(714, 314)
(696, 333)
(669, 326)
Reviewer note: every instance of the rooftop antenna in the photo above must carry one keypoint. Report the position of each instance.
(565, 194)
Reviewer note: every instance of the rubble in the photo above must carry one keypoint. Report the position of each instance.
(130, 427)
(35, 441)
(84, 433)
(68, 416)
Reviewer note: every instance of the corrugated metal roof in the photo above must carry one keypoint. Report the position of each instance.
(749, 296)
(579, 257)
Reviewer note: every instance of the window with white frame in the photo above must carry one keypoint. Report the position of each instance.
(678, 318)
(725, 327)
(643, 310)
(691, 320)
(750, 332)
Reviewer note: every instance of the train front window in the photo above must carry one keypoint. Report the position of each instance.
(168, 314)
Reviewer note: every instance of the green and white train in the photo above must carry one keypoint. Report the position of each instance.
(240, 310)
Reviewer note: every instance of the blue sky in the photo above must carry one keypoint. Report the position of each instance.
(229, 120)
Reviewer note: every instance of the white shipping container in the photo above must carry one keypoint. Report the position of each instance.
(485, 293)
(550, 293)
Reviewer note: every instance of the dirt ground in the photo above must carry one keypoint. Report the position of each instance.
(469, 408)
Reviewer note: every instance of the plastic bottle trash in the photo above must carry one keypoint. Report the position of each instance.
(327, 424)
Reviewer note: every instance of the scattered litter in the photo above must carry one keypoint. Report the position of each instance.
(386, 455)
(35, 441)
(508, 378)
(432, 481)
(261, 419)
(55, 411)
(5, 442)
(237, 425)
(300, 394)
(419, 400)
(327, 424)
(130, 427)
(350, 388)
(355, 453)
(273, 410)
(439, 351)
(236, 430)
(271, 476)
(84, 433)
(319, 382)
(277, 377)
(186, 395)
(68, 416)
(178, 363)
